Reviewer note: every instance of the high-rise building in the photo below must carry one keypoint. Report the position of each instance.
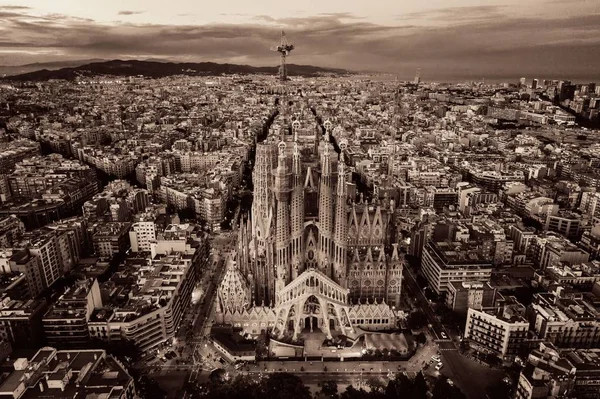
(522, 81)
(51, 265)
(142, 235)
(417, 78)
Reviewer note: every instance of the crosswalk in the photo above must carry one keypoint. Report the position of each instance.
(448, 349)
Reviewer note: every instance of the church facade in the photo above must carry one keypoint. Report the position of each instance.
(312, 254)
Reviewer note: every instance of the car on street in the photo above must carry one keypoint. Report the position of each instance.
(444, 336)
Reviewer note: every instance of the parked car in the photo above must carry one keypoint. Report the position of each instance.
(439, 366)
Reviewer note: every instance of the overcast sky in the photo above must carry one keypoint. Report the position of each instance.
(447, 39)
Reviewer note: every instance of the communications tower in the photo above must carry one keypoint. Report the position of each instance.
(284, 49)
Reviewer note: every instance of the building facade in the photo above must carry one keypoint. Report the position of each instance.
(446, 262)
(503, 331)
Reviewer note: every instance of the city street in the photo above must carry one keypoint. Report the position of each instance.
(471, 377)
(425, 305)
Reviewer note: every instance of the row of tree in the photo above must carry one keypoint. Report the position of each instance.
(289, 386)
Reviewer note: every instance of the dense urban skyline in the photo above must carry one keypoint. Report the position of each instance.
(286, 229)
(447, 40)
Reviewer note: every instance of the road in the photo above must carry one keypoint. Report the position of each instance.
(471, 377)
(416, 292)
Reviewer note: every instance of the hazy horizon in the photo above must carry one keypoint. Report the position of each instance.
(448, 40)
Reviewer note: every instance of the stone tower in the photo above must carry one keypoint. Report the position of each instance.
(282, 191)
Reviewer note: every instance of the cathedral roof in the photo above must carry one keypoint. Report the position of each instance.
(234, 291)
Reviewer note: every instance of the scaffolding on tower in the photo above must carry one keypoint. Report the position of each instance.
(284, 49)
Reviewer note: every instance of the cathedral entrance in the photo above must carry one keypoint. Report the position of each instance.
(311, 323)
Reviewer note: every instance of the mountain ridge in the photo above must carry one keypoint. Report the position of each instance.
(159, 69)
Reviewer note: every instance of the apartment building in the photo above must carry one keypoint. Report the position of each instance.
(446, 262)
(552, 251)
(145, 301)
(66, 321)
(29, 264)
(566, 223)
(53, 373)
(21, 322)
(46, 249)
(110, 238)
(15, 151)
(462, 296)
(545, 375)
(142, 235)
(566, 322)
(502, 331)
(11, 229)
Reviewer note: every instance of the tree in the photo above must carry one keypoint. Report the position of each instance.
(416, 320)
(329, 388)
(353, 393)
(399, 387)
(218, 376)
(285, 386)
(420, 388)
(499, 390)
(443, 390)
(375, 384)
(148, 388)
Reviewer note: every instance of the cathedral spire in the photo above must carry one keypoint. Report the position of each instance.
(341, 185)
(297, 170)
(326, 167)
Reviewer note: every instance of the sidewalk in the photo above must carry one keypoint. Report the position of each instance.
(414, 364)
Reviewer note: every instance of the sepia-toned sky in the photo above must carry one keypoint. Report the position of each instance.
(446, 39)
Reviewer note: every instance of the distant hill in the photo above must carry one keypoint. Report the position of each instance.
(27, 68)
(159, 69)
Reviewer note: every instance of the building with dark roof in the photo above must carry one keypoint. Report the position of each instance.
(52, 373)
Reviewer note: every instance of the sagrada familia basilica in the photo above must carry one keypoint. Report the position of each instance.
(313, 254)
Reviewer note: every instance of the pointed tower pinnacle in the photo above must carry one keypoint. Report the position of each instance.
(340, 236)
(326, 172)
(341, 186)
(296, 168)
(326, 197)
(282, 224)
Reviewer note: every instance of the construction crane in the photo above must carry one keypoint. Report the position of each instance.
(284, 49)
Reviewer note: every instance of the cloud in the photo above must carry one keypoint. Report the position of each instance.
(456, 15)
(506, 46)
(340, 15)
(14, 8)
(129, 12)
